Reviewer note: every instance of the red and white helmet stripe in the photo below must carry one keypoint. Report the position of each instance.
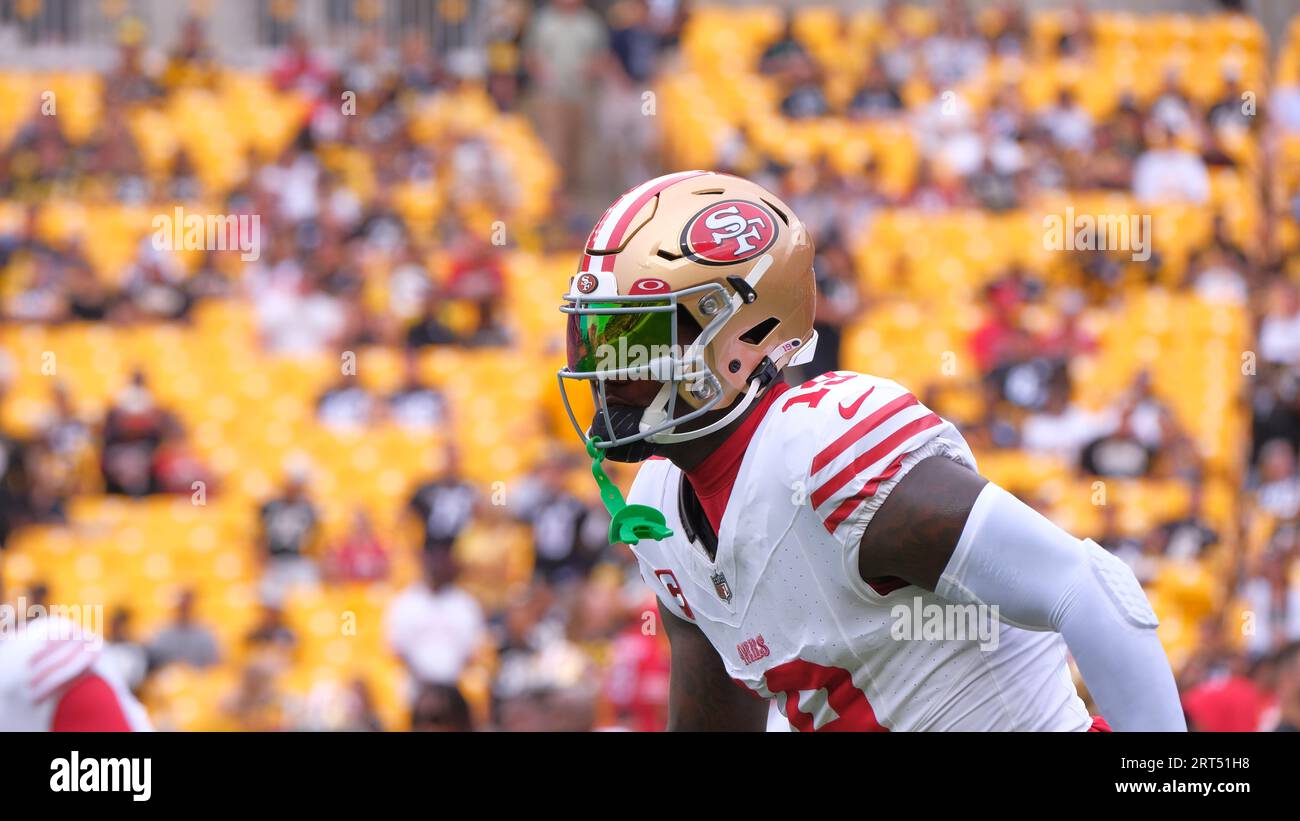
(608, 233)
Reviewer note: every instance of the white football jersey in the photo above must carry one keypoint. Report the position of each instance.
(783, 602)
(40, 660)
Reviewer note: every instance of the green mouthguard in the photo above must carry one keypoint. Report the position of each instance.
(628, 524)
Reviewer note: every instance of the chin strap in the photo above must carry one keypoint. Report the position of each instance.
(631, 523)
(671, 438)
(628, 524)
(765, 374)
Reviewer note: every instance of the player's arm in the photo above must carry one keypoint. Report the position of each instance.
(947, 529)
(701, 696)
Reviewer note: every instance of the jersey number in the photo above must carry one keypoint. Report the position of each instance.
(853, 711)
(823, 384)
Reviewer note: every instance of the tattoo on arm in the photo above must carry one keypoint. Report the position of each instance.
(913, 534)
(701, 695)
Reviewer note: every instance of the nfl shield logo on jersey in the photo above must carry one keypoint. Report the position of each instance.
(721, 587)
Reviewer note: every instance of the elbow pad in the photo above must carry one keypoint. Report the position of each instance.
(1042, 578)
(1013, 556)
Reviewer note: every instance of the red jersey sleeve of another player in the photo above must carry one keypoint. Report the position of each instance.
(870, 432)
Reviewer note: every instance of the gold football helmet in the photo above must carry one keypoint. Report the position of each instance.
(699, 283)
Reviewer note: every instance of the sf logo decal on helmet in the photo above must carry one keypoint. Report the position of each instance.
(729, 232)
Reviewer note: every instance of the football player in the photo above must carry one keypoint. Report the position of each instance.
(794, 534)
(53, 677)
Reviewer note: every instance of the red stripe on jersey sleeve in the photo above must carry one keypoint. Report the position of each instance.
(58, 666)
(52, 645)
(851, 504)
(870, 488)
(89, 706)
(860, 430)
(870, 457)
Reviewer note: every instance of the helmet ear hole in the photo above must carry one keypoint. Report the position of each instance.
(756, 334)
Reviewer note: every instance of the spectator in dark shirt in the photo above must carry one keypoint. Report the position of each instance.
(88, 298)
(1120, 454)
(1188, 536)
(429, 328)
(568, 537)
(443, 506)
(1275, 409)
(130, 81)
(128, 656)
(1113, 537)
(416, 405)
(15, 487)
(289, 525)
(154, 289)
(190, 63)
(633, 41)
(440, 708)
(133, 430)
(877, 96)
(1278, 492)
(45, 155)
(1076, 37)
(785, 52)
(839, 302)
(1229, 111)
(346, 404)
(271, 630)
(1010, 31)
(804, 99)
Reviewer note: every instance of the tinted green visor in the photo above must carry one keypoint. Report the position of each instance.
(610, 337)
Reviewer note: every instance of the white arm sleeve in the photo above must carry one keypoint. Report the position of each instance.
(1042, 578)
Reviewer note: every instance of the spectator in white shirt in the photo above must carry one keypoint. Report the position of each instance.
(1062, 428)
(434, 626)
(1167, 173)
(1279, 332)
(1285, 108)
(1172, 109)
(1068, 122)
(1271, 596)
(346, 405)
(1279, 488)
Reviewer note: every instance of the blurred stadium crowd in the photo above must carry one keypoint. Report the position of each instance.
(333, 487)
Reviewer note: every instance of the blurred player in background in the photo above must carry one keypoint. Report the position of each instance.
(53, 676)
